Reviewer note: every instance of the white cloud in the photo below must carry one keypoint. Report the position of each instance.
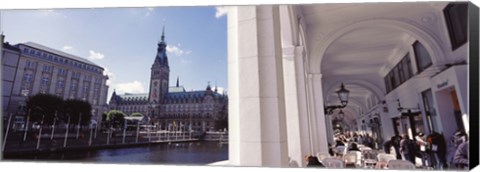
(177, 50)
(220, 89)
(52, 13)
(67, 48)
(220, 12)
(95, 55)
(129, 87)
(110, 75)
(150, 11)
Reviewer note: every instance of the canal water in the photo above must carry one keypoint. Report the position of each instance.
(193, 153)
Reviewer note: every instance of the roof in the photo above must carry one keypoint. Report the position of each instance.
(179, 89)
(134, 96)
(61, 53)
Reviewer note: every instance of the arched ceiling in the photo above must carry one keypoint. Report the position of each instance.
(363, 52)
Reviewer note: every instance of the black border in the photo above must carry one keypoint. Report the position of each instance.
(473, 78)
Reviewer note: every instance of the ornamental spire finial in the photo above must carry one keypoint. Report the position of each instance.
(163, 34)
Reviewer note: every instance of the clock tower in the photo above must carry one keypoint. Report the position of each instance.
(160, 73)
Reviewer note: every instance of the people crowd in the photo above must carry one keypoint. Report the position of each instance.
(430, 151)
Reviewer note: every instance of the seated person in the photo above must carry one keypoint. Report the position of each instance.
(312, 161)
(353, 147)
(338, 142)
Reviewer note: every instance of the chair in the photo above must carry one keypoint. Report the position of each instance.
(369, 158)
(322, 155)
(383, 160)
(383, 157)
(332, 162)
(400, 165)
(350, 158)
(340, 150)
(365, 148)
(369, 154)
(359, 157)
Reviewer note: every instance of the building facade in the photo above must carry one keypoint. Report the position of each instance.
(30, 68)
(172, 107)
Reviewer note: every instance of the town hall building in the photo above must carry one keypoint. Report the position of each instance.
(172, 107)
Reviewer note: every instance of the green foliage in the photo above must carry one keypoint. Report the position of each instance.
(116, 118)
(136, 114)
(44, 105)
(77, 109)
(51, 107)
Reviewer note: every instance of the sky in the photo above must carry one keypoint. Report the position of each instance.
(124, 41)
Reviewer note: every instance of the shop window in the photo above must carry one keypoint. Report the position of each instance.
(456, 18)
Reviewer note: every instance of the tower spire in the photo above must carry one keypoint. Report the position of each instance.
(163, 34)
(177, 81)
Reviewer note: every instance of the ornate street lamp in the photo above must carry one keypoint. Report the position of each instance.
(343, 96)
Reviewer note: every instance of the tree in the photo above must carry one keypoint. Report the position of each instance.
(136, 114)
(116, 118)
(221, 120)
(44, 105)
(77, 109)
(104, 120)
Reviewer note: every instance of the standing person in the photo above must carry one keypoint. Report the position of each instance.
(386, 146)
(422, 145)
(438, 150)
(395, 142)
(458, 138)
(407, 149)
(461, 155)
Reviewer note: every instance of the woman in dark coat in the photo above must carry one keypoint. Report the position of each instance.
(312, 161)
(353, 147)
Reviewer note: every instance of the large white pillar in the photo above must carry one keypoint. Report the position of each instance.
(257, 123)
(299, 143)
(316, 114)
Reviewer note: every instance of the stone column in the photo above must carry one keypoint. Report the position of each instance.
(298, 132)
(316, 113)
(329, 127)
(257, 108)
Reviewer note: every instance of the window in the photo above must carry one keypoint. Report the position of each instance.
(76, 75)
(456, 18)
(27, 77)
(62, 72)
(45, 80)
(406, 66)
(421, 56)
(399, 74)
(48, 68)
(60, 84)
(30, 64)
